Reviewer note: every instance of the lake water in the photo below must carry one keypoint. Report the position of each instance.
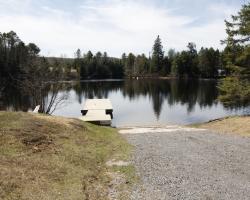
(141, 102)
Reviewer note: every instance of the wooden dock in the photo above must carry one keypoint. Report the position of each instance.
(98, 111)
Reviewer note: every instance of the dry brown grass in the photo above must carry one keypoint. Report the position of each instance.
(43, 157)
(231, 125)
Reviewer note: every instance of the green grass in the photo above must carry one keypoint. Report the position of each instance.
(44, 157)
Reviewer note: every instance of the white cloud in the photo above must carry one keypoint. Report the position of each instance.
(223, 9)
(114, 26)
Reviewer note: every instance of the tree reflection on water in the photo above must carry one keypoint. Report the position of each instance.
(190, 93)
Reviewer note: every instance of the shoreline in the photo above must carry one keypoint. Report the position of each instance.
(236, 125)
(141, 78)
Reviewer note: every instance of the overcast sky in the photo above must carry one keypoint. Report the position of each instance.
(59, 27)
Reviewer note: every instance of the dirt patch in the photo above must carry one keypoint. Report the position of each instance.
(36, 140)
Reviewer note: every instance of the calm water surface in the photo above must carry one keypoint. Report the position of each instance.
(142, 102)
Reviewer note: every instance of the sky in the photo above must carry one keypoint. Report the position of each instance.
(60, 27)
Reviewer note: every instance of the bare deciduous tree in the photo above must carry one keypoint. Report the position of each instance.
(41, 81)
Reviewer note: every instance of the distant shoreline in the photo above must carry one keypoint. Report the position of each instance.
(147, 77)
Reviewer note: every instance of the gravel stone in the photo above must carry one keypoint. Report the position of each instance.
(191, 165)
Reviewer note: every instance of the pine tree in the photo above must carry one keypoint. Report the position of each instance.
(130, 64)
(157, 56)
(78, 54)
(236, 57)
(192, 63)
(208, 62)
(237, 51)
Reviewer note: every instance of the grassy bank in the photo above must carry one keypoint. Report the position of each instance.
(239, 125)
(44, 157)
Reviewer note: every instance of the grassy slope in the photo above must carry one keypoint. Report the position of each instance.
(230, 125)
(44, 157)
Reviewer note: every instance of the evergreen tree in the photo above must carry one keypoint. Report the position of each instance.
(192, 63)
(157, 56)
(14, 54)
(130, 64)
(209, 61)
(78, 54)
(89, 56)
(236, 58)
(237, 52)
(124, 59)
(77, 61)
(33, 50)
(166, 66)
(141, 65)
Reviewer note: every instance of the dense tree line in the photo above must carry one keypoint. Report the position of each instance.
(188, 63)
(16, 57)
(14, 54)
(191, 63)
(97, 66)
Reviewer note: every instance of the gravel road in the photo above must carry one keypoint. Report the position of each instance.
(180, 163)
